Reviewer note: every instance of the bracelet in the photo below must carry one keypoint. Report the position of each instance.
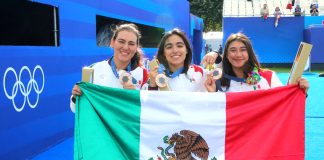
(153, 88)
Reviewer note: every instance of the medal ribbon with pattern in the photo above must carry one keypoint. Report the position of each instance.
(174, 74)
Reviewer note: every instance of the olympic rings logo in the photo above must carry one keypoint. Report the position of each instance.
(24, 90)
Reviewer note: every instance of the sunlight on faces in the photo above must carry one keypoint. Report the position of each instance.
(125, 46)
(237, 54)
(175, 52)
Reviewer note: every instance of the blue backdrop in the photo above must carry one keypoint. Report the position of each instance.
(272, 44)
(315, 35)
(37, 81)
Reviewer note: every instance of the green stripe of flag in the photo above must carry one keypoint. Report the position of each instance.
(104, 118)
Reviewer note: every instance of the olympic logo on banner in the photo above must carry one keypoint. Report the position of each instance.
(20, 86)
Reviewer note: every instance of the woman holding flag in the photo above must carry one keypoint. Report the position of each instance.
(242, 71)
(124, 69)
(174, 70)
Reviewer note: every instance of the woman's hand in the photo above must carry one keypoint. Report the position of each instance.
(76, 91)
(153, 73)
(303, 84)
(129, 86)
(210, 83)
(210, 58)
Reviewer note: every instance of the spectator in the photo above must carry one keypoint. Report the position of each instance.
(314, 10)
(206, 48)
(264, 12)
(314, 2)
(297, 11)
(289, 5)
(220, 50)
(277, 15)
(210, 48)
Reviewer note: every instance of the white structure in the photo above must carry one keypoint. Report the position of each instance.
(245, 8)
(214, 39)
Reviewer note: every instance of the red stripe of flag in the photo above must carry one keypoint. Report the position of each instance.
(264, 125)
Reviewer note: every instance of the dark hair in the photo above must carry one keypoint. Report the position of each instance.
(160, 53)
(248, 66)
(136, 60)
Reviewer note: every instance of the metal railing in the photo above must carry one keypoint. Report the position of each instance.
(234, 8)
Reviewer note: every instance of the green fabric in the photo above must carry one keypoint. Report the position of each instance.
(102, 111)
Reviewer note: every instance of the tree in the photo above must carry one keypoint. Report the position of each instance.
(209, 10)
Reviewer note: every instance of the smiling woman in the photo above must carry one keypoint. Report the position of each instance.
(175, 55)
(123, 69)
(242, 70)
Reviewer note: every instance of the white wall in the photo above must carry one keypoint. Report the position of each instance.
(214, 39)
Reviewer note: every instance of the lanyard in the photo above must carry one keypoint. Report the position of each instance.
(235, 78)
(242, 80)
(174, 74)
(219, 86)
(161, 69)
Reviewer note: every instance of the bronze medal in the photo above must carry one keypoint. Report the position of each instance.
(217, 73)
(125, 78)
(161, 80)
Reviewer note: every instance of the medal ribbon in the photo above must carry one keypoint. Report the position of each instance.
(174, 74)
(235, 78)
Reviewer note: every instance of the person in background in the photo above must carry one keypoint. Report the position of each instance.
(125, 61)
(314, 10)
(206, 48)
(220, 50)
(289, 5)
(297, 11)
(242, 71)
(314, 2)
(210, 48)
(277, 15)
(264, 12)
(174, 56)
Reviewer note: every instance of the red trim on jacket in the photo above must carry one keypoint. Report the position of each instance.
(266, 74)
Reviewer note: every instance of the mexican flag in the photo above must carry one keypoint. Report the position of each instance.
(117, 124)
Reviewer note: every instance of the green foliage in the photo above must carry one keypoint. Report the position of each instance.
(209, 10)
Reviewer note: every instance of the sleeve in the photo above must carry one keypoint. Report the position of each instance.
(153, 88)
(275, 81)
(145, 79)
(72, 104)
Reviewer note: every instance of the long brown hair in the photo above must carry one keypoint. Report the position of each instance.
(160, 53)
(248, 66)
(130, 27)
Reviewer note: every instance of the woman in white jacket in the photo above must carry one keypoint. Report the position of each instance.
(125, 60)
